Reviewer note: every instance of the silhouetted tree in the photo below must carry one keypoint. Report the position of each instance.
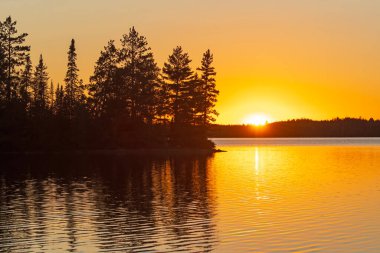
(73, 89)
(15, 53)
(184, 101)
(104, 91)
(140, 74)
(195, 101)
(26, 84)
(127, 105)
(2, 68)
(163, 109)
(179, 77)
(40, 86)
(208, 92)
(59, 100)
(51, 96)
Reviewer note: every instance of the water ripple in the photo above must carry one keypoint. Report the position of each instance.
(250, 199)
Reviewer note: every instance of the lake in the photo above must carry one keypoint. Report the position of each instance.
(262, 195)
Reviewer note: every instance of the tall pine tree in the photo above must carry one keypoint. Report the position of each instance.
(40, 87)
(51, 95)
(73, 88)
(2, 67)
(208, 93)
(15, 52)
(140, 76)
(178, 76)
(104, 91)
(59, 100)
(26, 81)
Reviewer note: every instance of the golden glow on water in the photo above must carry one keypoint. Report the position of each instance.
(298, 199)
(257, 161)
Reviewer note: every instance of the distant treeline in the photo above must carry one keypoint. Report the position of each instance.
(129, 102)
(347, 127)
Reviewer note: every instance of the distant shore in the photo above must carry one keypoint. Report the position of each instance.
(301, 128)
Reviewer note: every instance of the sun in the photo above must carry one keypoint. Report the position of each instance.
(257, 120)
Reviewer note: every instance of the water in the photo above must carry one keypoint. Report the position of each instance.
(263, 195)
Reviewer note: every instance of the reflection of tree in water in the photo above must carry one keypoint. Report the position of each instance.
(21, 211)
(122, 200)
(109, 203)
(183, 204)
(160, 204)
(37, 207)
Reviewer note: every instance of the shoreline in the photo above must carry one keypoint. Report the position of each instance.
(120, 152)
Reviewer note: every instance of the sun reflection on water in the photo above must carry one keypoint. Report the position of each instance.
(257, 161)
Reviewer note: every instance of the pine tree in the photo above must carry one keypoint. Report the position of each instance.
(40, 84)
(140, 76)
(26, 81)
(179, 76)
(163, 109)
(2, 68)
(103, 89)
(73, 89)
(51, 95)
(195, 101)
(208, 92)
(15, 53)
(59, 100)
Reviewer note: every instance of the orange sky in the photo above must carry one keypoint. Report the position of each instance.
(285, 58)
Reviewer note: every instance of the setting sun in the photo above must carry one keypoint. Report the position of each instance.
(257, 120)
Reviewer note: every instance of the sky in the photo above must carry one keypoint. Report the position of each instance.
(283, 59)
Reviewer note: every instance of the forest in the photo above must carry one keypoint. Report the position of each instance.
(128, 102)
(346, 127)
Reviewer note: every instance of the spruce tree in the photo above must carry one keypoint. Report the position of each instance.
(26, 81)
(208, 93)
(179, 76)
(2, 68)
(73, 89)
(15, 52)
(51, 95)
(59, 100)
(140, 76)
(40, 86)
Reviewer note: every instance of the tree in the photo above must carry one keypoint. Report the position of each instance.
(40, 84)
(208, 92)
(130, 103)
(15, 53)
(140, 76)
(2, 67)
(162, 109)
(194, 101)
(179, 76)
(73, 88)
(26, 84)
(59, 100)
(51, 95)
(103, 89)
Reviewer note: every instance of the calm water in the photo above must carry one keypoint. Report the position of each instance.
(263, 195)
